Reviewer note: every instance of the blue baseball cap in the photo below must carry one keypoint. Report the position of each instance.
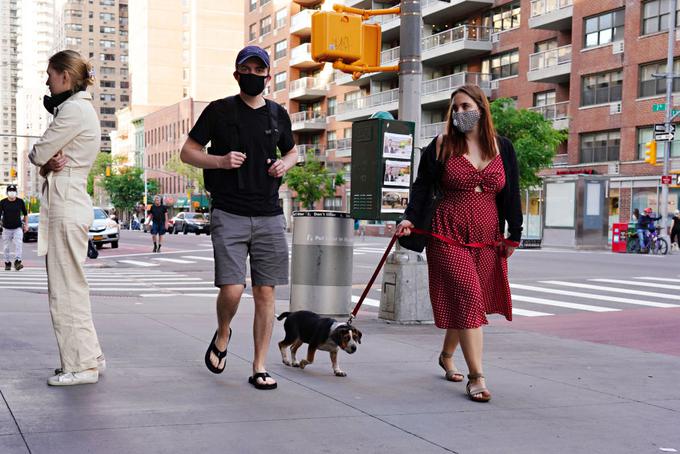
(250, 52)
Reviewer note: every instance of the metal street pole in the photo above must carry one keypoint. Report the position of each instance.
(669, 114)
(405, 297)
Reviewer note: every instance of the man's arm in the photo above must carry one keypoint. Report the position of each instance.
(25, 211)
(192, 153)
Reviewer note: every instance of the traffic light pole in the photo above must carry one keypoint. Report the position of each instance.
(669, 114)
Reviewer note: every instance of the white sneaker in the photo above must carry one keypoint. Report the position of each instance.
(74, 378)
(101, 366)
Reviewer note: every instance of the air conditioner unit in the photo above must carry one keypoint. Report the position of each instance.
(495, 37)
(615, 108)
(495, 84)
(613, 168)
(617, 47)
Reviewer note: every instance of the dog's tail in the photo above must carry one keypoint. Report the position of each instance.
(283, 315)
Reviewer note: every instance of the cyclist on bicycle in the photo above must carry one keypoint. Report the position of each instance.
(645, 225)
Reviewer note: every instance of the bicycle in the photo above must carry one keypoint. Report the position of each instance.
(655, 244)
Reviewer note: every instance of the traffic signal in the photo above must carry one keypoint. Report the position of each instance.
(336, 36)
(650, 153)
(108, 171)
(13, 172)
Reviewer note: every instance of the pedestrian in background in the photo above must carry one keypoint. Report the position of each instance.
(675, 229)
(477, 173)
(12, 209)
(243, 174)
(158, 217)
(65, 153)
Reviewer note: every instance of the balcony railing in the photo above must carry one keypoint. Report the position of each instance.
(302, 20)
(550, 58)
(308, 117)
(541, 7)
(463, 32)
(432, 130)
(553, 112)
(389, 55)
(301, 53)
(366, 102)
(307, 83)
(317, 150)
(448, 83)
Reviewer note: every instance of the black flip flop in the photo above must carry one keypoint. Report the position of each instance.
(220, 355)
(263, 375)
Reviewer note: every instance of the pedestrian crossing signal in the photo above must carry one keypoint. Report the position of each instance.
(650, 153)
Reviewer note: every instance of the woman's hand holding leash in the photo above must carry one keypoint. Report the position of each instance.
(404, 228)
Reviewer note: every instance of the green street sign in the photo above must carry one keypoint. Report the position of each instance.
(659, 107)
(675, 112)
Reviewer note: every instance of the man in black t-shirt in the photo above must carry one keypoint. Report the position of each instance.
(243, 174)
(158, 215)
(11, 210)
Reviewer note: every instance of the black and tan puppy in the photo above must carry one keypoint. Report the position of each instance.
(321, 333)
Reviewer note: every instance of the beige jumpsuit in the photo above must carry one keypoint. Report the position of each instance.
(65, 217)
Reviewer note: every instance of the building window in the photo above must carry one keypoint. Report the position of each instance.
(107, 57)
(125, 84)
(124, 59)
(655, 16)
(332, 106)
(107, 16)
(107, 2)
(107, 124)
(280, 81)
(280, 17)
(107, 110)
(504, 17)
(332, 203)
(649, 86)
(544, 98)
(265, 25)
(604, 28)
(647, 134)
(545, 45)
(252, 32)
(124, 98)
(253, 5)
(280, 49)
(502, 65)
(107, 97)
(105, 70)
(601, 88)
(600, 146)
(107, 83)
(264, 2)
(107, 30)
(70, 41)
(74, 27)
(107, 43)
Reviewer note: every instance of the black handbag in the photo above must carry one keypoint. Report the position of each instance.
(416, 242)
(92, 251)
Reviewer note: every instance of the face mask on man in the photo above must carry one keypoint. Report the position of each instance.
(466, 121)
(11, 194)
(251, 84)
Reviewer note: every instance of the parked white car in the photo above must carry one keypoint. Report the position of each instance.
(104, 229)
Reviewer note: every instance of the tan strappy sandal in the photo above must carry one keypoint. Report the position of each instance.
(472, 392)
(454, 374)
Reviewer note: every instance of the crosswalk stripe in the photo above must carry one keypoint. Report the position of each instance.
(592, 296)
(547, 302)
(138, 263)
(662, 279)
(638, 284)
(614, 289)
(527, 313)
(358, 253)
(195, 257)
(367, 301)
(166, 279)
(164, 259)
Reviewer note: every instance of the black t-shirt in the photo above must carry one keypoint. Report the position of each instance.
(157, 213)
(11, 213)
(248, 190)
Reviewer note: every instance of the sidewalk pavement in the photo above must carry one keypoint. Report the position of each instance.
(550, 395)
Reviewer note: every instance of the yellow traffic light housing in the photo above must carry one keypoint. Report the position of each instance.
(13, 172)
(108, 171)
(650, 153)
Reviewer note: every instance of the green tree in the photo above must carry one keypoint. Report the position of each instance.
(312, 181)
(125, 187)
(187, 171)
(98, 169)
(533, 136)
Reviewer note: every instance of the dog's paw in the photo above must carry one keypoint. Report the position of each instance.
(295, 364)
(304, 363)
(286, 362)
(340, 373)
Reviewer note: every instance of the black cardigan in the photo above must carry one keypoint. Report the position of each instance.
(507, 200)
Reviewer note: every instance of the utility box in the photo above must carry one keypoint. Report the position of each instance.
(382, 163)
(336, 36)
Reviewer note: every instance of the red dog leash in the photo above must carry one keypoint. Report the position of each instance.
(443, 238)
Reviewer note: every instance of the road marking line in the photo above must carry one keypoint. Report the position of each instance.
(179, 251)
(527, 313)
(158, 295)
(591, 296)
(358, 253)
(367, 301)
(195, 257)
(161, 259)
(639, 284)
(662, 279)
(547, 302)
(136, 263)
(614, 289)
(170, 279)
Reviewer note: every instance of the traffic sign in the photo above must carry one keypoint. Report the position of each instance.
(664, 136)
(672, 128)
(659, 107)
(660, 127)
(666, 179)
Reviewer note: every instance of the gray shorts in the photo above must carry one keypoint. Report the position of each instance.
(262, 238)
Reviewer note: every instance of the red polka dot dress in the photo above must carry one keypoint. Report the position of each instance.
(468, 283)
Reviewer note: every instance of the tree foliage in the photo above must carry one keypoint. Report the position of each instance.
(102, 161)
(312, 181)
(125, 187)
(187, 171)
(534, 138)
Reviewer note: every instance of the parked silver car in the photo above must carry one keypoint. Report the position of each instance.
(104, 229)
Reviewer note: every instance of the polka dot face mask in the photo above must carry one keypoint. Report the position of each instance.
(466, 121)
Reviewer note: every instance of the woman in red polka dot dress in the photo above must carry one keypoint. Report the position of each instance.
(476, 173)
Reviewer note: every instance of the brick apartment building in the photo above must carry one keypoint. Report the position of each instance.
(585, 65)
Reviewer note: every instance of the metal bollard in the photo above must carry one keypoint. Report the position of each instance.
(321, 262)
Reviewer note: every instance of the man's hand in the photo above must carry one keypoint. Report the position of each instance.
(276, 168)
(232, 160)
(25, 228)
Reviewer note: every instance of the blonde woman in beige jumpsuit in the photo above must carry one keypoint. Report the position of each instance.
(65, 154)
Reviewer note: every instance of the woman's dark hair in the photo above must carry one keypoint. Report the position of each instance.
(454, 141)
(79, 69)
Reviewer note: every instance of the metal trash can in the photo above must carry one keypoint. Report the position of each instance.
(321, 262)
